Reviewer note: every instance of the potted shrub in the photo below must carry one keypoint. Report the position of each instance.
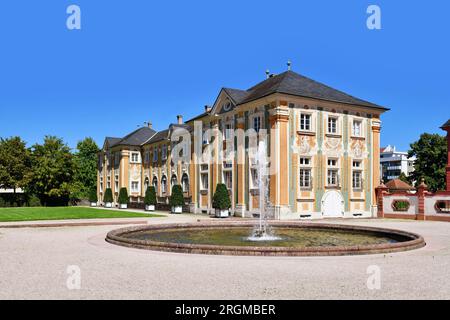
(150, 199)
(221, 201)
(123, 198)
(93, 199)
(108, 198)
(177, 199)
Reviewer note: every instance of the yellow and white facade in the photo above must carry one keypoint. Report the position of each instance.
(323, 147)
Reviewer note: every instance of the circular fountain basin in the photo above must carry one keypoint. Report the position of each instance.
(290, 239)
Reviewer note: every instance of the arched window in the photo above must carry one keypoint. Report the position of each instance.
(173, 181)
(146, 183)
(185, 183)
(164, 184)
(155, 183)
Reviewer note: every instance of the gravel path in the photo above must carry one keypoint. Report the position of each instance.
(34, 262)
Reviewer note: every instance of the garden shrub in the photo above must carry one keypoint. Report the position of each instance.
(176, 199)
(150, 196)
(221, 199)
(123, 196)
(108, 197)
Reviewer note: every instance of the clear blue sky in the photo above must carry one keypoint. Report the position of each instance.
(141, 60)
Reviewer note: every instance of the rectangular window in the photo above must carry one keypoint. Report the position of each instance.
(147, 156)
(332, 125)
(204, 180)
(305, 178)
(155, 154)
(135, 186)
(101, 184)
(305, 161)
(164, 152)
(357, 164)
(333, 179)
(108, 182)
(357, 180)
(257, 123)
(135, 157)
(228, 179)
(305, 122)
(228, 134)
(332, 162)
(357, 128)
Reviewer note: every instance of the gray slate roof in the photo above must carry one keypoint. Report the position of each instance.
(446, 125)
(137, 137)
(295, 84)
(112, 141)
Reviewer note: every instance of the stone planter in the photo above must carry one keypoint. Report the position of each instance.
(93, 204)
(150, 207)
(108, 205)
(177, 209)
(123, 206)
(222, 213)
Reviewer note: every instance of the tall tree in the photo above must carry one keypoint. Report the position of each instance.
(86, 166)
(431, 153)
(14, 163)
(52, 171)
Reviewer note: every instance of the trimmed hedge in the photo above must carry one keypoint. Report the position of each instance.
(176, 198)
(221, 199)
(150, 196)
(108, 197)
(123, 196)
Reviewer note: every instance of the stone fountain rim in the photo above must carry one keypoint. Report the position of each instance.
(116, 237)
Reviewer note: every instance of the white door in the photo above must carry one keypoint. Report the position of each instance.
(332, 204)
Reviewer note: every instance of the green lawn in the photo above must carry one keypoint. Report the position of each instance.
(63, 213)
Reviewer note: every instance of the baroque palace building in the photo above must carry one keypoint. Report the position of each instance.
(324, 145)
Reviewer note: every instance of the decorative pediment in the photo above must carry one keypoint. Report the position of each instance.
(224, 103)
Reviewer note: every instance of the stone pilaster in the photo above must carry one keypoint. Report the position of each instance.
(279, 154)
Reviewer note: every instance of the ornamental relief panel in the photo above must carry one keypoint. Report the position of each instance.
(305, 145)
(358, 149)
(333, 147)
(135, 173)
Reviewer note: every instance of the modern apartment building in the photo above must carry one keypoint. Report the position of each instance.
(394, 162)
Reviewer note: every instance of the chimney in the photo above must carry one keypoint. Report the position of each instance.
(180, 119)
(289, 65)
(149, 125)
(267, 74)
(207, 108)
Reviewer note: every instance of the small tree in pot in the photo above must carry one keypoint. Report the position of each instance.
(123, 198)
(221, 201)
(93, 199)
(177, 199)
(108, 198)
(150, 199)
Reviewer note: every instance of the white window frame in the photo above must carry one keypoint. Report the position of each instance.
(164, 152)
(116, 183)
(164, 184)
(136, 183)
(132, 157)
(101, 184)
(337, 127)
(360, 170)
(354, 133)
(204, 172)
(311, 122)
(259, 115)
(331, 170)
(227, 168)
(228, 134)
(183, 185)
(305, 180)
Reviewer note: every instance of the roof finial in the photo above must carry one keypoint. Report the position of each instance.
(267, 73)
(289, 64)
